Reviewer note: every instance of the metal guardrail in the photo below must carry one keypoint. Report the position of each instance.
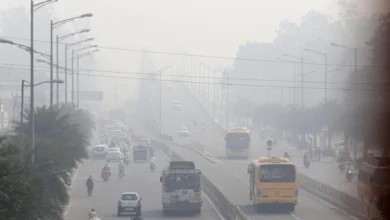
(341, 199)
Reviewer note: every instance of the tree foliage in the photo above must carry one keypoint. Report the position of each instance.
(40, 190)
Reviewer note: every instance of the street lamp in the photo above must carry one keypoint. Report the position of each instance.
(67, 46)
(326, 71)
(59, 39)
(78, 74)
(33, 8)
(54, 25)
(160, 98)
(23, 47)
(24, 82)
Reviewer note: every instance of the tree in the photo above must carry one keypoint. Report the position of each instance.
(62, 134)
(30, 191)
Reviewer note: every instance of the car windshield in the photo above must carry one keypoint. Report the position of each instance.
(277, 173)
(113, 149)
(100, 148)
(129, 197)
(184, 129)
(177, 103)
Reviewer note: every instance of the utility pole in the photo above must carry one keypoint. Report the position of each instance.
(227, 100)
(66, 73)
(326, 77)
(294, 85)
(214, 95)
(302, 82)
(57, 86)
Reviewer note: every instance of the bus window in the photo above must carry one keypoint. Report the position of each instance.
(277, 173)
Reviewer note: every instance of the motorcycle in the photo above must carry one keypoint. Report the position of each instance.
(106, 175)
(152, 166)
(306, 163)
(349, 175)
(341, 167)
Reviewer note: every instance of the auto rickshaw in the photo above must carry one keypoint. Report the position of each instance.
(140, 153)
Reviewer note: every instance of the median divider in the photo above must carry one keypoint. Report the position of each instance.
(230, 210)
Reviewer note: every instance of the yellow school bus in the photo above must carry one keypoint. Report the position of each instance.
(273, 181)
(238, 143)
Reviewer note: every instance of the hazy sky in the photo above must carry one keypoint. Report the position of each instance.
(214, 27)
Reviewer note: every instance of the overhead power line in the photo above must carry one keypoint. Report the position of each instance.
(184, 76)
(208, 56)
(229, 84)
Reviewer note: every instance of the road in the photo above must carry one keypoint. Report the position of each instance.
(230, 175)
(137, 178)
(213, 139)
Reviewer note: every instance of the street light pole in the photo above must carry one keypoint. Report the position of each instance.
(32, 81)
(21, 114)
(51, 63)
(78, 100)
(72, 77)
(58, 92)
(66, 73)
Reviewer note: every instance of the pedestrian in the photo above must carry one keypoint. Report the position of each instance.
(89, 185)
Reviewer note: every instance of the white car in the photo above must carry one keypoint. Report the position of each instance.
(177, 105)
(114, 154)
(169, 86)
(184, 131)
(146, 141)
(129, 202)
(99, 150)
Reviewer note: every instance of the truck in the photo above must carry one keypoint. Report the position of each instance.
(181, 188)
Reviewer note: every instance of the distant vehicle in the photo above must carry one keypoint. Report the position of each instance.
(114, 154)
(99, 151)
(140, 153)
(273, 181)
(238, 143)
(184, 132)
(129, 202)
(177, 105)
(181, 187)
(169, 86)
(146, 141)
(215, 121)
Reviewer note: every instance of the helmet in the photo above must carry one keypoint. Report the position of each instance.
(92, 210)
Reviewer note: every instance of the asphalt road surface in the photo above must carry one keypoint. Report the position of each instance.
(230, 175)
(138, 178)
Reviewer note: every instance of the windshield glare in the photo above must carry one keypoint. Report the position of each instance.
(277, 173)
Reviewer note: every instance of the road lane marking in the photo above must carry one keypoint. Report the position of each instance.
(213, 206)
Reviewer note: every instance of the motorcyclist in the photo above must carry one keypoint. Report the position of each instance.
(92, 214)
(89, 185)
(105, 170)
(306, 160)
(152, 162)
(121, 167)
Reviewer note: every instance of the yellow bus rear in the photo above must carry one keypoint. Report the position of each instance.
(273, 182)
(237, 143)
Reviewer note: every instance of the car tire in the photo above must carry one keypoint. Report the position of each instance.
(119, 213)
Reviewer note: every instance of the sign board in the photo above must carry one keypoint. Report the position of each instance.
(91, 95)
(269, 143)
